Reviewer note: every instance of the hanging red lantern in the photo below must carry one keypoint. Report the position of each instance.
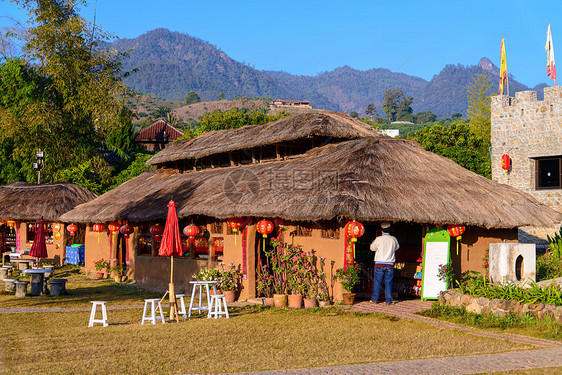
(506, 162)
(156, 230)
(126, 230)
(264, 227)
(72, 228)
(157, 238)
(98, 228)
(235, 223)
(113, 227)
(191, 231)
(457, 232)
(354, 230)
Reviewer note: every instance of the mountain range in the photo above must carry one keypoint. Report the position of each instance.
(168, 64)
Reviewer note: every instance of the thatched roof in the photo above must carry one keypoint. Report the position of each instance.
(23, 201)
(369, 179)
(328, 124)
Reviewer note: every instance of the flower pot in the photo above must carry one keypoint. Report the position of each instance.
(280, 300)
(99, 275)
(230, 295)
(268, 301)
(309, 303)
(348, 298)
(295, 301)
(324, 303)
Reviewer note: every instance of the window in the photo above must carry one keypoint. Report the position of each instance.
(548, 173)
(331, 230)
(145, 241)
(217, 227)
(303, 231)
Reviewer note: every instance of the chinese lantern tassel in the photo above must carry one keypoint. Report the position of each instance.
(458, 243)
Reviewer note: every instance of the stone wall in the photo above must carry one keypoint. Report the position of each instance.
(499, 307)
(525, 129)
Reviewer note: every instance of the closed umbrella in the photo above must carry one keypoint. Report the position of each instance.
(170, 246)
(39, 247)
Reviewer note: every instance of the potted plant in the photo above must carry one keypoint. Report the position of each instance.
(296, 274)
(278, 259)
(265, 285)
(101, 265)
(311, 280)
(323, 295)
(348, 276)
(229, 281)
(116, 270)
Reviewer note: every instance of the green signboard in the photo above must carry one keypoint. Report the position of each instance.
(435, 253)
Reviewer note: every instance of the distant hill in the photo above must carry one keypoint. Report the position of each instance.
(170, 64)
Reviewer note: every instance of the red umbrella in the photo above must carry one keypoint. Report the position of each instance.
(39, 247)
(170, 246)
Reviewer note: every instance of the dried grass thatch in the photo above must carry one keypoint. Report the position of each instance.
(369, 179)
(328, 124)
(23, 201)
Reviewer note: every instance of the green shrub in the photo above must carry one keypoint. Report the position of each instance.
(549, 266)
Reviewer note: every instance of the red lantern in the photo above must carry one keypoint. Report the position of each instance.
(191, 231)
(354, 229)
(126, 230)
(98, 228)
(113, 227)
(72, 228)
(156, 230)
(506, 162)
(265, 227)
(157, 238)
(457, 232)
(235, 223)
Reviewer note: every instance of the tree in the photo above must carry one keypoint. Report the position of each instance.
(456, 116)
(221, 96)
(191, 97)
(67, 102)
(396, 106)
(425, 117)
(160, 112)
(354, 114)
(371, 111)
(457, 143)
(479, 107)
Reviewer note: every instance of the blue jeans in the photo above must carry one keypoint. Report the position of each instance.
(386, 273)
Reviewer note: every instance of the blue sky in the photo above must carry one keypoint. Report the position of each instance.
(308, 37)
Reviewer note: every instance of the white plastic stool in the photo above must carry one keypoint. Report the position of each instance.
(152, 318)
(93, 319)
(182, 305)
(218, 301)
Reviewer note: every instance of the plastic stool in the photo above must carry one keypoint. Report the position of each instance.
(182, 305)
(93, 319)
(216, 306)
(152, 318)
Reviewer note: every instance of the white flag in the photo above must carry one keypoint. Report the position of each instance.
(549, 48)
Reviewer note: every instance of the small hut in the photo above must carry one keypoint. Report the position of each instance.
(22, 204)
(311, 174)
(156, 136)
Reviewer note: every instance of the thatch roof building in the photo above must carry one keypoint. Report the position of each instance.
(363, 176)
(30, 202)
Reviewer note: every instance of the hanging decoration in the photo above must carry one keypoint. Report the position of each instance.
(235, 223)
(457, 232)
(264, 227)
(11, 224)
(352, 230)
(506, 162)
(126, 230)
(245, 253)
(72, 228)
(157, 230)
(113, 228)
(98, 228)
(191, 231)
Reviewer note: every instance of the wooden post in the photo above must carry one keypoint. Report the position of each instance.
(277, 152)
(253, 157)
(231, 158)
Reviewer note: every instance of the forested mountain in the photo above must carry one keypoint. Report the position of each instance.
(169, 64)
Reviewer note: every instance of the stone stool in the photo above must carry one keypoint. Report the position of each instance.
(152, 318)
(21, 288)
(58, 286)
(182, 311)
(218, 301)
(93, 319)
(4, 271)
(10, 284)
(23, 266)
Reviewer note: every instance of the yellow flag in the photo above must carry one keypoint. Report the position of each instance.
(503, 69)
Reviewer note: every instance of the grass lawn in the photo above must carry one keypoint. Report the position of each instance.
(254, 338)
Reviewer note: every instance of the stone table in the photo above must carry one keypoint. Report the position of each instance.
(37, 279)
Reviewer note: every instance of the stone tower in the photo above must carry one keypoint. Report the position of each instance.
(530, 132)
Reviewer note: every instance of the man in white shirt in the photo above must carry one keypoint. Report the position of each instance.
(384, 247)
